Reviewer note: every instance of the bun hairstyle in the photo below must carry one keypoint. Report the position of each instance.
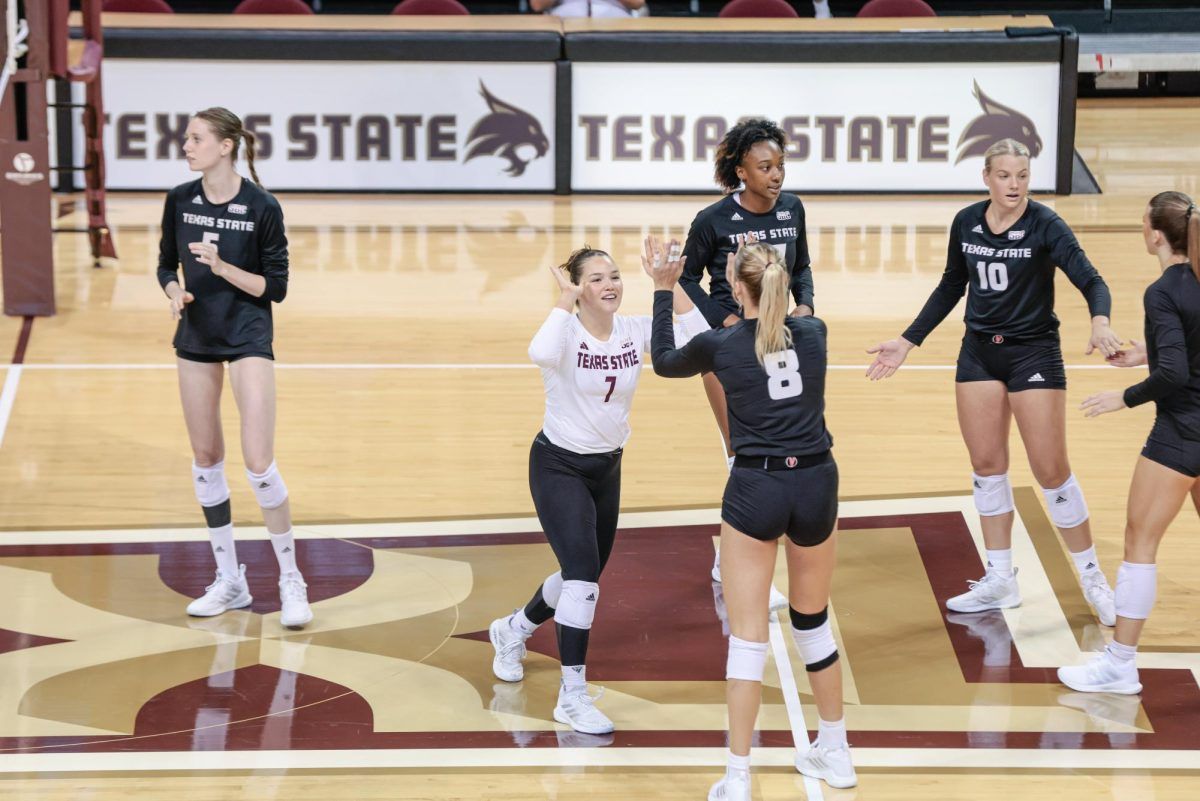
(573, 266)
(1176, 216)
(227, 125)
(761, 270)
(736, 143)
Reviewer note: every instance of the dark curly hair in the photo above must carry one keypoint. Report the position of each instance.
(573, 266)
(737, 143)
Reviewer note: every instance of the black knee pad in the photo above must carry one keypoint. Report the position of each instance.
(804, 622)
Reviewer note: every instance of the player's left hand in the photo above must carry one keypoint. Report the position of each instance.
(1112, 400)
(206, 253)
(663, 263)
(1103, 339)
(802, 310)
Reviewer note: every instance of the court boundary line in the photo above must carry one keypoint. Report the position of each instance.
(12, 377)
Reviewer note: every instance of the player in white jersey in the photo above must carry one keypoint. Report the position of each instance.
(590, 364)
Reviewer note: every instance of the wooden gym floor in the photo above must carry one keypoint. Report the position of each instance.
(407, 406)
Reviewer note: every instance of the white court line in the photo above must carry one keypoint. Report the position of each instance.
(432, 759)
(454, 366)
(8, 396)
(791, 700)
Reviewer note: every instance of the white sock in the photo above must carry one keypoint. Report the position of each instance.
(832, 735)
(736, 765)
(1000, 562)
(521, 624)
(1120, 653)
(285, 551)
(821, 9)
(1085, 561)
(221, 540)
(574, 678)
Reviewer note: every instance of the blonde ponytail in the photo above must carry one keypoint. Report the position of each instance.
(761, 271)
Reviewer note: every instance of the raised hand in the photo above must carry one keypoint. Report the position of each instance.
(568, 293)
(888, 358)
(664, 264)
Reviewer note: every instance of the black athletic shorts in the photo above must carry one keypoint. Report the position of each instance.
(1020, 365)
(213, 358)
(1168, 448)
(767, 496)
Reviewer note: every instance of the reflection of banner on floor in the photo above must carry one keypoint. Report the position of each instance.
(345, 126)
(900, 127)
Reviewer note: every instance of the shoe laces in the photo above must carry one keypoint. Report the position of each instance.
(223, 584)
(583, 698)
(990, 584)
(293, 589)
(1095, 584)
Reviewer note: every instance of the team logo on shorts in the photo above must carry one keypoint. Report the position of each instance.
(997, 340)
(997, 122)
(511, 133)
(791, 462)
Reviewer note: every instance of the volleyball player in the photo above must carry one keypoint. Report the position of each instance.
(591, 362)
(783, 481)
(1002, 253)
(1169, 468)
(749, 167)
(228, 233)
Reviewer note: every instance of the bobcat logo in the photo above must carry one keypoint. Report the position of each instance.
(505, 132)
(997, 122)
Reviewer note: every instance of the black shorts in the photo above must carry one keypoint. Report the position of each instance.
(1019, 365)
(1166, 447)
(214, 358)
(799, 501)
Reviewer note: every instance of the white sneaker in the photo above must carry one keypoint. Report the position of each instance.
(510, 650)
(833, 766)
(778, 600)
(293, 600)
(716, 571)
(1100, 596)
(227, 592)
(731, 788)
(578, 710)
(1102, 674)
(990, 592)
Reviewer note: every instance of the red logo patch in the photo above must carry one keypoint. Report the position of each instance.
(998, 340)
(791, 461)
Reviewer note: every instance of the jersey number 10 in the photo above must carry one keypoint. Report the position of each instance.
(783, 375)
(993, 276)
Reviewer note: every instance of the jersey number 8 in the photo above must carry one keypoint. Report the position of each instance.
(783, 375)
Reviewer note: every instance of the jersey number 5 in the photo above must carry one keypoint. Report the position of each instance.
(993, 276)
(783, 375)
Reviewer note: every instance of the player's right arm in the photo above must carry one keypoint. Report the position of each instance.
(699, 250)
(168, 261)
(547, 345)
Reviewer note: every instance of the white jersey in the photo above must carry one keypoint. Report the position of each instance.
(589, 382)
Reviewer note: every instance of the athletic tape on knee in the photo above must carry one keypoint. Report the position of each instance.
(1137, 587)
(993, 494)
(268, 487)
(210, 484)
(814, 639)
(746, 661)
(577, 604)
(1067, 506)
(552, 589)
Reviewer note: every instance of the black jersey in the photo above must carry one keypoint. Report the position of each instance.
(1010, 275)
(249, 234)
(773, 411)
(1173, 349)
(719, 229)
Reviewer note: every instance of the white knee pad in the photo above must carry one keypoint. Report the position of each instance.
(268, 487)
(210, 484)
(1137, 586)
(993, 494)
(1067, 506)
(577, 604)
(552, 589)
(747, 660)
(815, 640)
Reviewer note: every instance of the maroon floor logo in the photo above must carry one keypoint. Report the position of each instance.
(997, 122)
(506, 132)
